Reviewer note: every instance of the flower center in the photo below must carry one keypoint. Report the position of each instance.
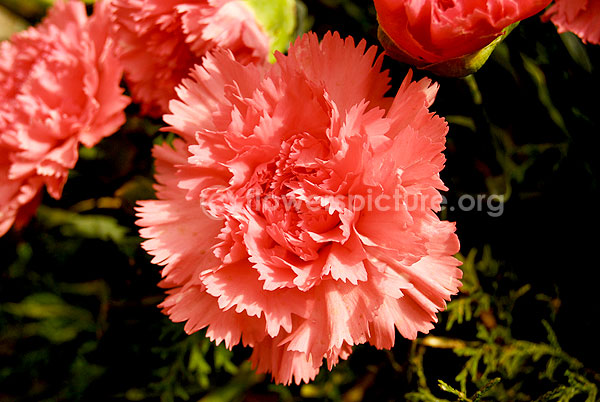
(286, 202)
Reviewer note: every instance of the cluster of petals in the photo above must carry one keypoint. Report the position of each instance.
(440, 30)
(59, 88)
(302, 283)
(578, 16)
(161, 40)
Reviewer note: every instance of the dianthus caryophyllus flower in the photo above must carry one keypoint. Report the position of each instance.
(449, 37)
(578, 16)
(296, 210)
(161, 40)
(59, 88)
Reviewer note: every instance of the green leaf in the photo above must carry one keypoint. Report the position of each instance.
(10, 23)
(87, 226)
(539, 78)
(278, 19)
(222, 357)
(577, 50)
(56, 320)
(447, 388)
(199, 365)
(243, 381)
(485, 389)
(19, 267)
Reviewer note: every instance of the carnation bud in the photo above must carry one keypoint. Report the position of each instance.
(452, 37)
(455, 67)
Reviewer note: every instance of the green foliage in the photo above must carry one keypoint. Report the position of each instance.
(52, 318)
(539, 79)
(577, 50)
(193, 363)
(496, 364)
(87, 226)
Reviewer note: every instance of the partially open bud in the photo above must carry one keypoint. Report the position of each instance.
(449, 37)
(456, 67)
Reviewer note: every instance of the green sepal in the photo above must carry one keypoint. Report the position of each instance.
(278, 19)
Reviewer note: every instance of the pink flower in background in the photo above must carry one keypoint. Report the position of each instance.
(582, 17)
(161, 40)
(296, 212)
(59, 88)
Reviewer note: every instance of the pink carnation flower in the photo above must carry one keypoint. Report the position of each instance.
(59, 88)
(578, 16)
(296, 212)
(162, 40)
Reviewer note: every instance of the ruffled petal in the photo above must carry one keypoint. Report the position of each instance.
(59, 89)
(577, 16)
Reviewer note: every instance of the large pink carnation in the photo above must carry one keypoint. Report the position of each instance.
(581, 17)
(296, 212)
(59, 88)
(161, 40)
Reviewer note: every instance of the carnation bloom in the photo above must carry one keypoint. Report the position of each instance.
(423, 33)
(578, 16)
(59, 88)
(296, 210)
(161, 40)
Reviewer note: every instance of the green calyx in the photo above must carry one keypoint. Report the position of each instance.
(457, 67)
(278, 19)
